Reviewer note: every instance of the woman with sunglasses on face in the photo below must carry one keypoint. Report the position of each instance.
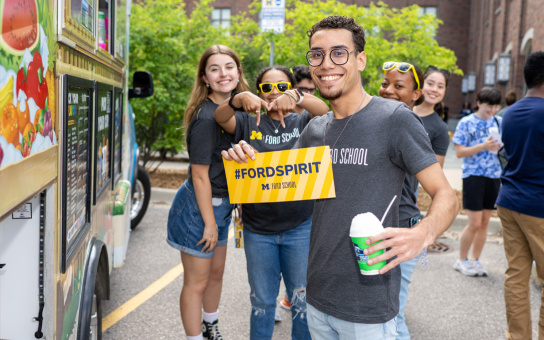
(401, 82)
(200, 215)
(276, 235)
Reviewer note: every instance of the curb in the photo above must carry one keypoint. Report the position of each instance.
(162, 195)
(494, 227)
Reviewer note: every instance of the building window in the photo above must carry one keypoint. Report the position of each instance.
(221, 17)
(428, 10)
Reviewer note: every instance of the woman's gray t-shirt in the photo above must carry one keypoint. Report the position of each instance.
(370, 158)
(205, 141)
(273, 218)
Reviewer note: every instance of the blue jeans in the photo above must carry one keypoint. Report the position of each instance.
(407, 269)
(325, 327)
(268, 257)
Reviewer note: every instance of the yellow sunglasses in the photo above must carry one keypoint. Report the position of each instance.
(281, 87)
(402, 67)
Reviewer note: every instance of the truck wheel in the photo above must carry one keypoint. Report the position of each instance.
(95, 331)
(140, 197)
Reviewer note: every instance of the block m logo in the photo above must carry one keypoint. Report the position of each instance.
(266, 186)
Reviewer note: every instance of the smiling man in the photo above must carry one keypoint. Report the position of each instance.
(342, 303)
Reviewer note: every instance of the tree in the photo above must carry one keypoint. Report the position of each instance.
(391, 35)
(167, 43)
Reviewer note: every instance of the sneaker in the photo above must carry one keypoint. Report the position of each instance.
(285, 304)
(478, 267)
(210, 331)
(277, 316)
(465, 267)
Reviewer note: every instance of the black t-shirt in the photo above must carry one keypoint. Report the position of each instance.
(273, 218)
(437, 131)
(205, 141)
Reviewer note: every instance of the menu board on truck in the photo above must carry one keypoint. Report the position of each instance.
(102, 140)
(117, 133)
(77, 119)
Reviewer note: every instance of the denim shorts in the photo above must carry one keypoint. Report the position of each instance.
(186, 226)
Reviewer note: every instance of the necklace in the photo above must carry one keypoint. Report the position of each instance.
(341, 132)
(275, 127)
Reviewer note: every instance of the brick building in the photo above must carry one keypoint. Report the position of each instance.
(492, 35)
(502, 34)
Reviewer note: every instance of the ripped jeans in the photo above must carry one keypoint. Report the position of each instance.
(268, 258)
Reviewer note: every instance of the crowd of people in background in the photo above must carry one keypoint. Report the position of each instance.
(305, 243)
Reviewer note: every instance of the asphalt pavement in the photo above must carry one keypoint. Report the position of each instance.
(443, 304)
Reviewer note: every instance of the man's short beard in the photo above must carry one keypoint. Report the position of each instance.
(331, 96)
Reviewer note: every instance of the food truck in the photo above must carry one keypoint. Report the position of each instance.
(68, 161)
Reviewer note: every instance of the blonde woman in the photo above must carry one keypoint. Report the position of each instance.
(200, 215)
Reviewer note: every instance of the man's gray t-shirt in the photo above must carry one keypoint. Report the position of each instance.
(273, 218)
(377, 147)
(437, 131)
(205, 141)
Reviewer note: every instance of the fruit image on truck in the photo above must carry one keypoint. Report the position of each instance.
(71, 188)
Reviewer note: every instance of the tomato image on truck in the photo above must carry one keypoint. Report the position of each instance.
(71, 188)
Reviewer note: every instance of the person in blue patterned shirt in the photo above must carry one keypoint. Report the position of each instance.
(481, 172)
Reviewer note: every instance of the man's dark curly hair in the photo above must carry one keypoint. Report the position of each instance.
(339, 21)
(301, 72)
(534, 69)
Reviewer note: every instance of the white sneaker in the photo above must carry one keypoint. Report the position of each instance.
(277, 316)
(478, 267)
(465, 267)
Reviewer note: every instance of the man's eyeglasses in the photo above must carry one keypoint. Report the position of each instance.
(281, 87)
(431, 68)
(339, 56)
(402, 67)
(310, 90)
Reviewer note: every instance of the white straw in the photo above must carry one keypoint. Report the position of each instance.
(389, 207)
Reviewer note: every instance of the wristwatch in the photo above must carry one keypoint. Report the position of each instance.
(300, 96)
(230, 102)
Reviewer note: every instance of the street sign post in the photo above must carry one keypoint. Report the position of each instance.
(272, 20)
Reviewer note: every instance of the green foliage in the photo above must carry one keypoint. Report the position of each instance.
(168, 43)
(391, 35)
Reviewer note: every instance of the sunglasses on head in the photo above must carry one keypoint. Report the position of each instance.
(402, 67)
(281, 86)
(430, 68)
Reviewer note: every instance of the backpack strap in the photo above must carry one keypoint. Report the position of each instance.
(497, 122)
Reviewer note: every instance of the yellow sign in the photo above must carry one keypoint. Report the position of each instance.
(280, 176)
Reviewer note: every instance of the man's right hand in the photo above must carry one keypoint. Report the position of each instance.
(239, 152)
(492, 144)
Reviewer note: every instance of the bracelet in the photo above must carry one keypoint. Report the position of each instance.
(211, 234)
(230, 102)
(290, 95)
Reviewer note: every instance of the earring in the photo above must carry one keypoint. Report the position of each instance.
(238, 80)
(207, 85)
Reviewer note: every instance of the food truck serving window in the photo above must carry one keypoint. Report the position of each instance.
(77, 119)
(102, 140)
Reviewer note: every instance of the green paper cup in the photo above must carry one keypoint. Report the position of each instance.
(359, 244)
